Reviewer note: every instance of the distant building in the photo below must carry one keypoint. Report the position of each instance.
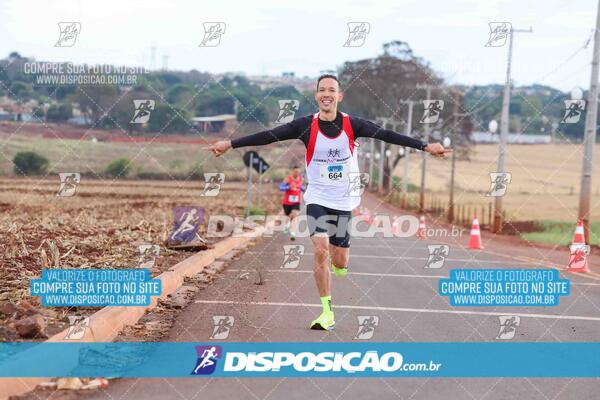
(215, 123)
(513, 138)
(13, 111)
(286, 79)
(78, 118)
(6, 116)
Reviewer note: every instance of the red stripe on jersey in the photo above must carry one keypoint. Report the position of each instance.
(347, 127)
(314, 130)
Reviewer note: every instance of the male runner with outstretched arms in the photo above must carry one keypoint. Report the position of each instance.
(292, 188)
(331, 154)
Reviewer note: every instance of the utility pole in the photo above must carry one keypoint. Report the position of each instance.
(408, 132)
(259, 182)
(381, 160)
(152, 56)
(165, 62)
(384, 123)
(589, 140)
(453, 136)
(497, 226)
(249, 198)
(455, 116)
(371, 161)
(424, 154)
(393, 152)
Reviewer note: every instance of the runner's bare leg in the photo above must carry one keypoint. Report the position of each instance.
(339, 256)
(293, 216)
(321, 263)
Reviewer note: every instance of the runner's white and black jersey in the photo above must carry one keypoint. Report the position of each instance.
(331, 153)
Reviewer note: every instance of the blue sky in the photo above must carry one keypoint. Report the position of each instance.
(269, 37)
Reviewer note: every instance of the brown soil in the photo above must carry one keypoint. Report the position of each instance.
(100, 227)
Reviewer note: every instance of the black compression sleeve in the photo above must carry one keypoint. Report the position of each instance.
(364, 128)
(284, 132)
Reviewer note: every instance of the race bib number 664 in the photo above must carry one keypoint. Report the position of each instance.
(333, 172)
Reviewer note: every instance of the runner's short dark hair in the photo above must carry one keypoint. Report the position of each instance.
(295, 166)
(327, 76)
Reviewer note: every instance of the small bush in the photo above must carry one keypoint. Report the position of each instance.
(397, 184)
(196, 172)
(119, 168)
(256, 211)
(30, 163)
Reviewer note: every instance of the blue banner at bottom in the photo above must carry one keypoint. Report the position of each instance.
(306, 359)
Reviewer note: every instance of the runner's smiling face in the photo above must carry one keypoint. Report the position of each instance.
(328, 95)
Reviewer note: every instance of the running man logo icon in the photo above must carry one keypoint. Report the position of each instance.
(333, 153)
(207, 359)
(357, 182)
(432, 111)
(292, 253)
(508, 326)
(499, 183)
(212, 34)
(143, 108)
(212, 185)
(186, 222)
(357, 33)
(437, 255)
(366, 326)
(68, 183)
(68, 34)
(573, 111)
(148, 254)
(222, 326)
(499, 32)
(77, 326)
(287, 110)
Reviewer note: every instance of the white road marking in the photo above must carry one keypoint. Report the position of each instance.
(402, 309)
(304, 271)
(469, 260)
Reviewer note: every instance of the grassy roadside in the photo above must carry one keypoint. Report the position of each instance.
(555, 232)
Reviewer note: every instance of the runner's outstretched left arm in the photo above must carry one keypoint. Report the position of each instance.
(364, 128)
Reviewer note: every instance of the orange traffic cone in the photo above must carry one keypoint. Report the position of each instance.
(422, 231)
(475, 239)
(578, 236)
(579, 251)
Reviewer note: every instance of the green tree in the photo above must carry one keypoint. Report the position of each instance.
(38, 113)
(59, 112)
(21, 91)
(95, 101)
(169, 119)
(180, 94)
(214, 104)
(253, 112)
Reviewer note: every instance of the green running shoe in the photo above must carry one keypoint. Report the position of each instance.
(340, 272)
(325, 322)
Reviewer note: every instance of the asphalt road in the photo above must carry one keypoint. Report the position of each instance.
(387, 280)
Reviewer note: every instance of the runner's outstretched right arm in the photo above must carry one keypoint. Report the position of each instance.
(287, 131)
(284, 132)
